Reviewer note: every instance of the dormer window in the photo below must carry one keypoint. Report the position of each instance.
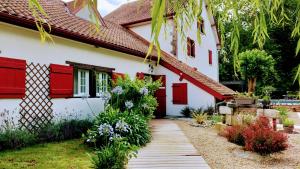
(190, 47)
(200, 26)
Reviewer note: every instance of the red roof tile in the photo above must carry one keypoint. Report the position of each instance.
(133, 12)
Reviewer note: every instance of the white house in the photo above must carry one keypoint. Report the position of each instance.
(40, 82)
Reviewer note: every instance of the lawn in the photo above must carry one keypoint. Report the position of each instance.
(70, 154)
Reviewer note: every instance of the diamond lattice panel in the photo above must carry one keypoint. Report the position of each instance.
(36, 106)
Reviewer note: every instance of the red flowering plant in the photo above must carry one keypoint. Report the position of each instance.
(260, 137)
(234, 134)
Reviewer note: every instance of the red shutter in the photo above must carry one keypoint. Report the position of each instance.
(115, 76)
(12, 78)
(210, 57)
(61, 81)
(180, 93)
(140, 76)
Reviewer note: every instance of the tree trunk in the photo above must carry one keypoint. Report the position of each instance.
(251, 86)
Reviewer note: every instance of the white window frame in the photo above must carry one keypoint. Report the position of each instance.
(102, 84)
(79, 85)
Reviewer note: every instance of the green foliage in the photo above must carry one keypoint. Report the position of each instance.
(64, 130)
(16, 139)
(114, 156)
(138, 134)
(283, 112)
(139, 92)
(257, 64)
(187, 111)
(288, 122)
(200, 118)
(217, 118)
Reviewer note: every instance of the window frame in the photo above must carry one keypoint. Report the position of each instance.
(201, 26)
(78, 85)
(210, 57)
(191, 47)
(99, 75)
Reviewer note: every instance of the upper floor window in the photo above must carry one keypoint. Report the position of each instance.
(81, 82)
(210, 57)
(200, 26)
(190, 47)
(101, 83)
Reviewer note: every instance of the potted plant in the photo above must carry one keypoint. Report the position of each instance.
(283, 113)
(288, 125)
(266, 101)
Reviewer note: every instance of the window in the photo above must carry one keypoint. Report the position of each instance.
(101, 83)
(81, 82)
(190, 47)
(180, 93)
(200, 26)
(210, 57)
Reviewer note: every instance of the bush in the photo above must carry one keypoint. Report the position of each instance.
(283, 112)
(234, 134)
(136, 95)
(200, 118)
(288, 122)
(16, 139)
(217, 118)
(114, 156)
(260, 138)
(134, 130)
(64, 130)
(187, 111)
(210, 110)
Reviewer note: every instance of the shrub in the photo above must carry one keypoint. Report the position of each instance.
(16, 139)
(136, 95)
(187, 111)
(136, 133)
(234, 134)
(283, 112)
(210, 110)
(200, 118)
(288, 123)
(114, 156)
(217, 118)
(64, 130)
(260, 138)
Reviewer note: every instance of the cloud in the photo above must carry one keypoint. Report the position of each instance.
(106, 6)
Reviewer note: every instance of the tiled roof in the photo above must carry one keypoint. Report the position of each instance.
(64, 23)
(133, 12)
(112, 36)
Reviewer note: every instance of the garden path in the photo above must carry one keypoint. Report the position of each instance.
(169, 149)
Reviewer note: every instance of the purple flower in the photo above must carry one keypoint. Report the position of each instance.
(144, 91)
(105, 129)
(128, 104)
(117, 90)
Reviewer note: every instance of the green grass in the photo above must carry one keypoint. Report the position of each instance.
(64, 155)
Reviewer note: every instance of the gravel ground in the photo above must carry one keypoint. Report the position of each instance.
(221, 154)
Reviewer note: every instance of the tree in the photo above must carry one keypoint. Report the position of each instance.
(256, 65)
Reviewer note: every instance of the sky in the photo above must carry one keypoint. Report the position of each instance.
(106, 6)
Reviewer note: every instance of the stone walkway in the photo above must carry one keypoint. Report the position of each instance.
(169, 149)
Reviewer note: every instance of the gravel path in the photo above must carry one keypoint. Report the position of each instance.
(220, 154)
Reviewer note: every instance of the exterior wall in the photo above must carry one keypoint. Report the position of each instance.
(165, 37)
(20, 43)
(196, 97)
(201, 59)
(209, 42)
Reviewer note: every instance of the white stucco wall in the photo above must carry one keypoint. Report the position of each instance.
(201, 60)
(20, 43)
(196, 97)
(165, 37)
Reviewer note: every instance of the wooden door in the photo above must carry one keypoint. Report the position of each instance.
(160, 95)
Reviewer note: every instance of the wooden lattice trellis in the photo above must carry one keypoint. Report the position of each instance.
(36, 107)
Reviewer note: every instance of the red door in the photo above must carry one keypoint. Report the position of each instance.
(161, 97)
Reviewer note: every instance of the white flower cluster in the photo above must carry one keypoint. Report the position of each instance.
(105, 130)
(144, 91)
(128, 104)
(117, 90)
(122, 126)
(105, 95)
